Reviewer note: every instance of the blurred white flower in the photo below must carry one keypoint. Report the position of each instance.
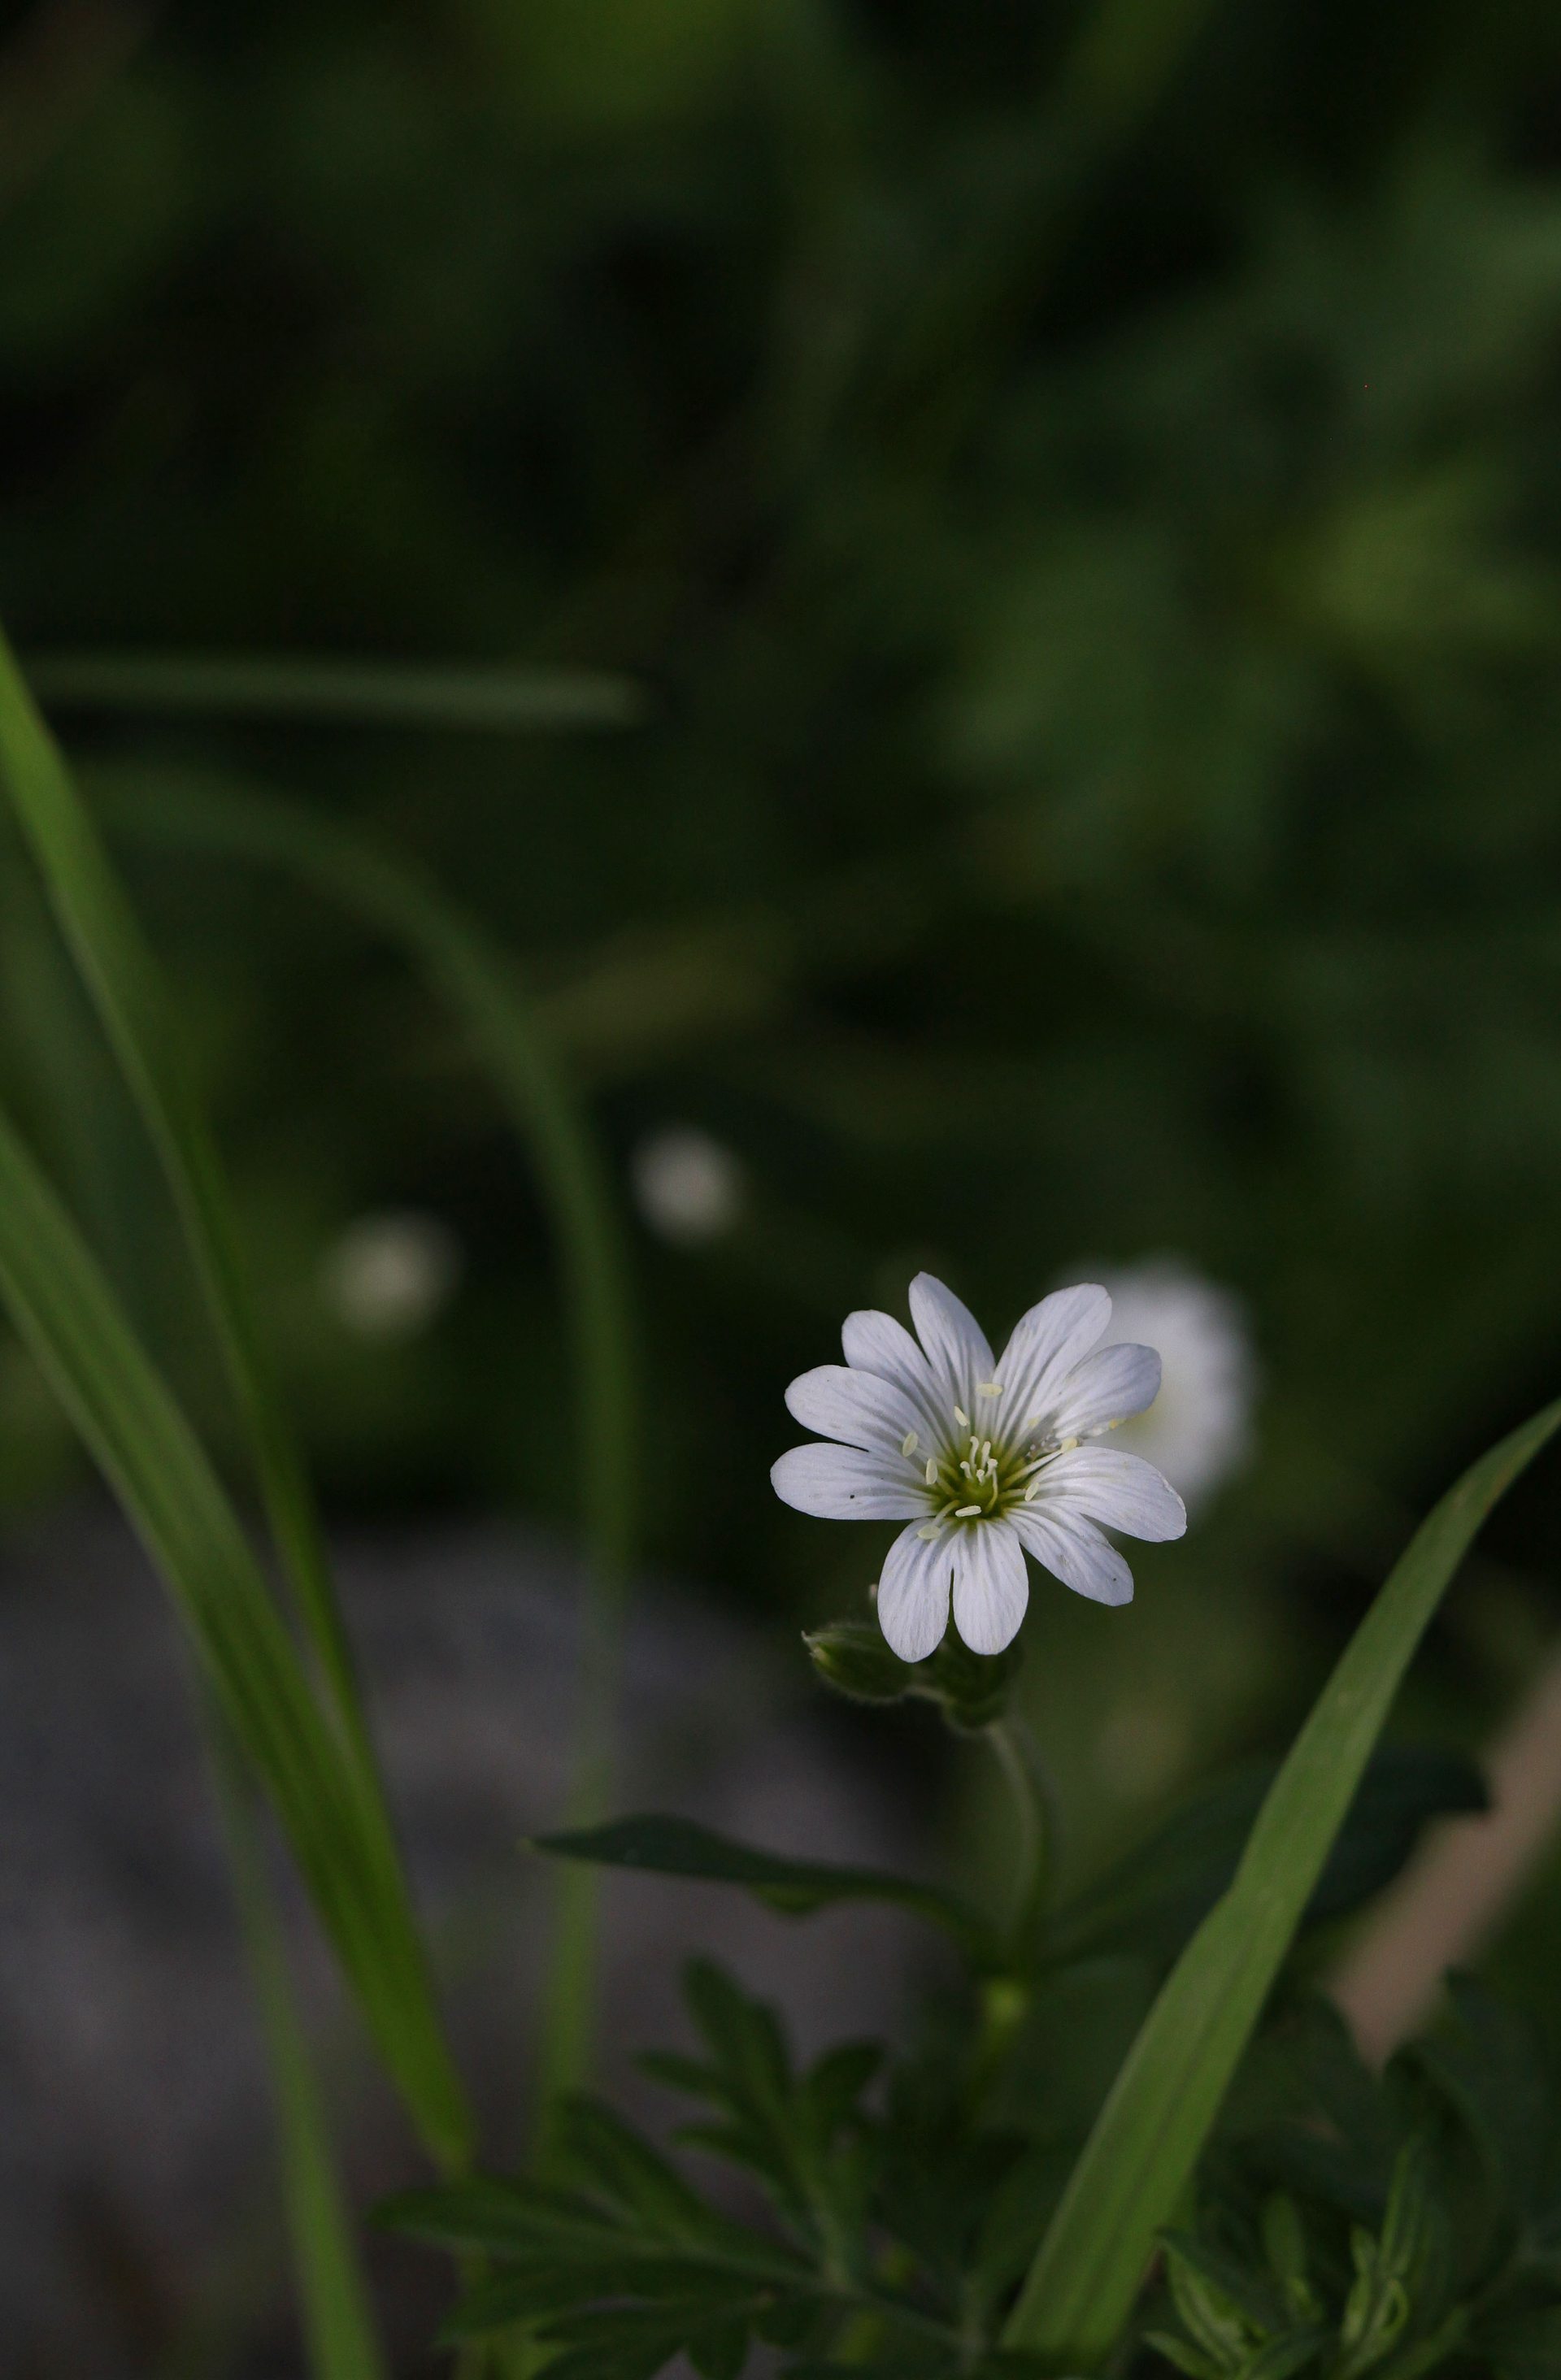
(687, 1186)
(988, 1458)
(1199, 1430)
(388, 1275)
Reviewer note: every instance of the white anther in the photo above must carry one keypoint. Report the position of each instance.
(967, 1512)
(1067, 1445)
(986, 1450)
(930, 1532)
(1031, 1492)
(989, 1388)
(932, 1473)
(907, 1443)
(962, 1417)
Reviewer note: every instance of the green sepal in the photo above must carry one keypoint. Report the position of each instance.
(971, 1690)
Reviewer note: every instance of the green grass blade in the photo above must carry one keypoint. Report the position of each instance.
(127, 987)
(338, 2318)
(478, 983)
(1140, 2155)
(335, 1822)
(374, 694)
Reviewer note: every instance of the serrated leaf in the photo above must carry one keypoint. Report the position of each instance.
(743, 2036)
(1141, 2154)
(835, 2084)
(598, 2151)
(657, 1845)
(488, 2216)
(1250, 2294)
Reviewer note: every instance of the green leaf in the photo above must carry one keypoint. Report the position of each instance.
(372, 694)
(1140, 2157)
(484, 2215)
(334, 1824)
(602, 2157)
(477, 982)
(337, 2320)
(1154, 1899)
(138, 1016)
(670, 1846)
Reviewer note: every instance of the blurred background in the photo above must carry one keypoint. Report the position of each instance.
(1067, 503)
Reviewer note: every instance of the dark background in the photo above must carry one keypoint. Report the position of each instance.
(1080, 494)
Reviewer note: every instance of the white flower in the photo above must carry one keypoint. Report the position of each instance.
(987, 1457)
(687, 1187)
(1200, 1429)
(388, 1275)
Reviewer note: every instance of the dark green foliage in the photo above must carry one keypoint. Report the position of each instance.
(1409, 2229)
(1150, 1901)
(663, 1846)
(1403, 2227)
(1145, 1907)
(618, 2264)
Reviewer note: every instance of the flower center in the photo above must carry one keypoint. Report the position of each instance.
(979, 1478)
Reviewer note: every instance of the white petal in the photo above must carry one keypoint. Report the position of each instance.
(838, 1483)
(956, 1347)
(876, 1343)
(1046, 1345)
(856, 1408)
(1075, 1551)
(1106, 1482)
(991, 1586)
(914, 1593)
(1111, 1385)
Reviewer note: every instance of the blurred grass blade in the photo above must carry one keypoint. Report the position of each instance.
(333, 1820)
(333, 2303)
(125, 984)
(653, 1845)
(371, 694)
(478, 983)
(1146, 2141)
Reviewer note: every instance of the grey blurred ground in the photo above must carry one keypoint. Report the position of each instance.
(140, 2230)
